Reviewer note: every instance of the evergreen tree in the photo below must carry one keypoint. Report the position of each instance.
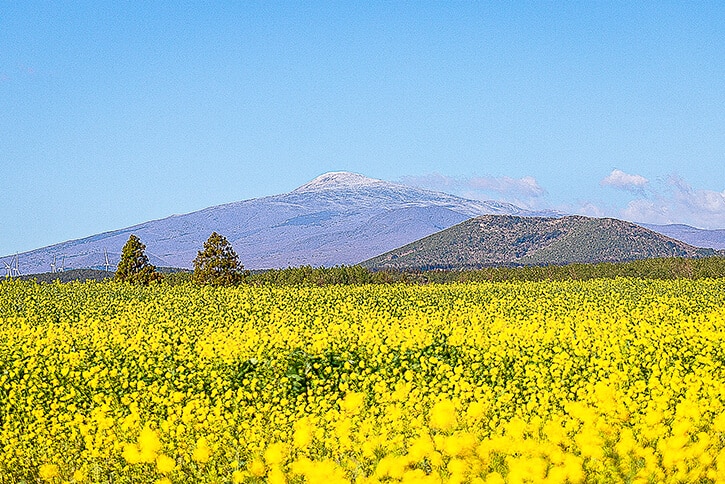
(218, 264)
(134, 266)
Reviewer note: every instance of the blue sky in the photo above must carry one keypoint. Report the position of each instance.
(115, 113)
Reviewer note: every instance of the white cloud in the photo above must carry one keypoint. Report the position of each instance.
(708, 202)
(625, 181)
(678, 202)
(588, 209)
(660, 201)
(647, 211)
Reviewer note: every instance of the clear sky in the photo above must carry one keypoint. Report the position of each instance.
(115, 113)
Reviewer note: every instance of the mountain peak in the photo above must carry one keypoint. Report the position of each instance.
(339, 179)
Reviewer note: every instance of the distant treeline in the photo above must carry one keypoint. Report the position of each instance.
(80, 275)
(662, 268)
(69, 275)
(667, 268)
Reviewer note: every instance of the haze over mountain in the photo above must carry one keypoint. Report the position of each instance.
(714, 239)
(337, 218)
(509, 240)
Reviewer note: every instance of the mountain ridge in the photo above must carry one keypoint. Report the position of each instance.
(336, 218)
(511, 240)
(713, 238)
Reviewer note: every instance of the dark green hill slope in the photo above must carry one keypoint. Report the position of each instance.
(498, 240)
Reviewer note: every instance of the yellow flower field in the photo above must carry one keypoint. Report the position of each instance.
(602, 381)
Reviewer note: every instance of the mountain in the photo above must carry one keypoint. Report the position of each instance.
(511, 240)
(714, 239)
(337, 218)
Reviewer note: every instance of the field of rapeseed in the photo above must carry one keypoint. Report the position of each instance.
(601, 381)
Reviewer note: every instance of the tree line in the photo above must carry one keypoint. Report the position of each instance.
(661, 268)
(218, 264)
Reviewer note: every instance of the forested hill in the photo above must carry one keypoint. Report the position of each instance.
(494, 240)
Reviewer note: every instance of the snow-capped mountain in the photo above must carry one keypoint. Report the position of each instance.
(337, 218)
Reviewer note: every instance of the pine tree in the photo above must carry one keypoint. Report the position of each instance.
(134, 266)
(218, 264)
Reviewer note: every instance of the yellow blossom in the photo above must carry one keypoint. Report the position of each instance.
(165, 464)
(202, 452)
(48, 471)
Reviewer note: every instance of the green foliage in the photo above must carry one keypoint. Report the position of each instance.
(178, 278)
(70, 275)
(662, 268)
(315, 276)
(218, 264)
(659, 268)
(134, 266)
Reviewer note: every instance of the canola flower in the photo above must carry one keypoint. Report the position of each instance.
(600, 381)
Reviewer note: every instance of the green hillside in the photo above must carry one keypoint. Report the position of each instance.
(504, 240)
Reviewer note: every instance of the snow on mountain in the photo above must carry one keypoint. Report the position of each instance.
(337, 218)
(339, 179)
